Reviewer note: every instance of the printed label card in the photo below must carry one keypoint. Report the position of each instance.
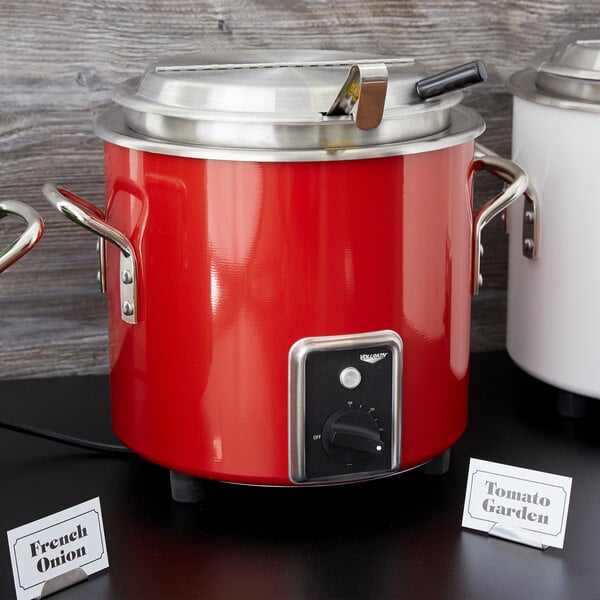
(58, 550)
(524, 506)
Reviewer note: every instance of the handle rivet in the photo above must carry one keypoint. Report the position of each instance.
(481, 250)
(528, 245)
(480, 280)
(126, 277)
(127, 308)
(529, 216)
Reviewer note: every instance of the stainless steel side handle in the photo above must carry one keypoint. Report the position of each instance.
(531, 211)
(28, 239)
(517, 180)
(90, 217)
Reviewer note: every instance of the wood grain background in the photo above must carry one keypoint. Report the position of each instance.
(60, 60)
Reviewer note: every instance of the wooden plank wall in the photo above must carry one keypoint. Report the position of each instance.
(60, 60)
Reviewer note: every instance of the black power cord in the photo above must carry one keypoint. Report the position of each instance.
(64, 439)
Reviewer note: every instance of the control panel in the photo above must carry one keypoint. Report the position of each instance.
(345, 407)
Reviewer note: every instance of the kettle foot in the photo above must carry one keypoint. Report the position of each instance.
(439, 465)
(571, 405)
(186, 488)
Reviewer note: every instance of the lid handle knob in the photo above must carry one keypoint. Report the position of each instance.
(453, 79)
(366, 85)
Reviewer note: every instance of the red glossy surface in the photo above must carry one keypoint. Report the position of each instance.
(239, 260)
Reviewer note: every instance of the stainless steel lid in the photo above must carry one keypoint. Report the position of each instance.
(567, 76)
(286, 105)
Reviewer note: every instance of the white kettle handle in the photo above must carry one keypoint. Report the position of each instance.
(517, 181)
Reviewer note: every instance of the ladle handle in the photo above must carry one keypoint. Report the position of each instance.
(453, 79)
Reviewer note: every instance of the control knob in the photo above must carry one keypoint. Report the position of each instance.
(351, 435)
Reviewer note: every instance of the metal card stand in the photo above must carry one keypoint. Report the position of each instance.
(517, 535)
(56, 584)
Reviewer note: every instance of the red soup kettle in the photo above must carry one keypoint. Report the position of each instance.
(293, 253)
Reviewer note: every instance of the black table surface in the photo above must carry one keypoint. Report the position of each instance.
(399, 537)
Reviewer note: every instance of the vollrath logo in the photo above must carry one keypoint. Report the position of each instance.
(373, 358)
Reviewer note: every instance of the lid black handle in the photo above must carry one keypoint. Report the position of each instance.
(453, 79)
